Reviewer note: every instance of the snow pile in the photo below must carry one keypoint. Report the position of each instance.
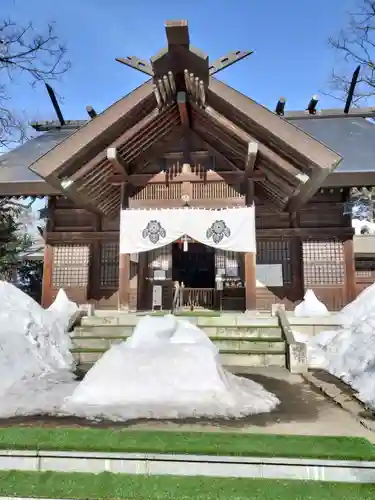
(310, 306)
(34, 344)
(168, 368)
(66, 311)
(349, 353)
(363, 226)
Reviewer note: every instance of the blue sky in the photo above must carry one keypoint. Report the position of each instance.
(289, 37)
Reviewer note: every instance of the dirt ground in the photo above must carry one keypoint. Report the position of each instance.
(303, 410)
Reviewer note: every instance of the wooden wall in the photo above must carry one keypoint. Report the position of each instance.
(313, 246)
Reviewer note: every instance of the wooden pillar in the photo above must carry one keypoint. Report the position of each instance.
(297, 259)
(47, 276)
(250, 260)
(124, 263)
(350, 277)
(142, 274)
(250, 281)
(94, 269)
(48, 254)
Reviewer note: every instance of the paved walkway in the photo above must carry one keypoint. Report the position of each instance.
(302, 411)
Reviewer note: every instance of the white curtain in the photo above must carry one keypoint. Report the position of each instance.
(230, 229)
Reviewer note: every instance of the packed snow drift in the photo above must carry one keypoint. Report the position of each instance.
(349, 352)
(310, 306)
(35, 359)
(167, 369)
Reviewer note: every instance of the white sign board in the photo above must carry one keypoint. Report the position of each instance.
(269, 275)
(156, 296)
(159, 274)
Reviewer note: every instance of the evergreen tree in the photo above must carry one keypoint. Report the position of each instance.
(13, 242)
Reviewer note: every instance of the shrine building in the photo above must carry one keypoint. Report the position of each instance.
(187, 180)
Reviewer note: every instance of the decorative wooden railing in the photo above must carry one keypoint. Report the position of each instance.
(194, 298)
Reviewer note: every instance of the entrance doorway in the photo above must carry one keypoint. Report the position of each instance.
(195, 267)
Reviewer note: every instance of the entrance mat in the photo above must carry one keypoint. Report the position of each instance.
(137, 487)
(198, 443)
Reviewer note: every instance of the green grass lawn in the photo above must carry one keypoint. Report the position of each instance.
(201, 443)
(121, 486)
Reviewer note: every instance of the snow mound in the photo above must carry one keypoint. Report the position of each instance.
(167, 369)
(358, 308)
(65, 310)
(33, 344)
(349, 353)
(310, 306)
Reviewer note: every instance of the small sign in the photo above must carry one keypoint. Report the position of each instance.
(269, 275)
(159, 274)
(134, 257)
(157, 296)
(165, 265)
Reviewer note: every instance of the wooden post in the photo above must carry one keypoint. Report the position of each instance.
(250, 281)
(48, 255)
(297, 259)
(250, 258)
(124, 263)
(47, 276)
(350, 277)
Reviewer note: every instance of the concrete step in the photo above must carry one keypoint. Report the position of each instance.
(268, 345)
(225, 320)
(242, 340)
(85, 359)
(211, 330)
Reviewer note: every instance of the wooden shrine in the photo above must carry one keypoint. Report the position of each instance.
(184, 138)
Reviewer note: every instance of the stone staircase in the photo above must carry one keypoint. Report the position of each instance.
(242, 341)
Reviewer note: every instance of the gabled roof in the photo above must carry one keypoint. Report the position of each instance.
(180, 100)
(296, 155)
(354, 140)
(16, 178)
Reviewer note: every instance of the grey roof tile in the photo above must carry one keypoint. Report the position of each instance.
(352, 138)
(14, 165)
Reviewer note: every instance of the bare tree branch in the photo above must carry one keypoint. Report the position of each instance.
(356, 46)
(38, 57)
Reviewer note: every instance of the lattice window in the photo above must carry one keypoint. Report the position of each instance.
(230, 262)
(70, 266)
(109, 265)
(160, 259)
(276, 252)
(364, 268)
(323, 263)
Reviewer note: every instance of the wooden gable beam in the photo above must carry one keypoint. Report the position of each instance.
(55, 104)
(177, 32)
(161, 177)
(182, 109)
(123, 138)
(100, 131)
(272, 127)
(251, 156)
(117, 162)
(264, 152)
(91, 112)
(211, 149)
(227, 60)
(136, 63)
